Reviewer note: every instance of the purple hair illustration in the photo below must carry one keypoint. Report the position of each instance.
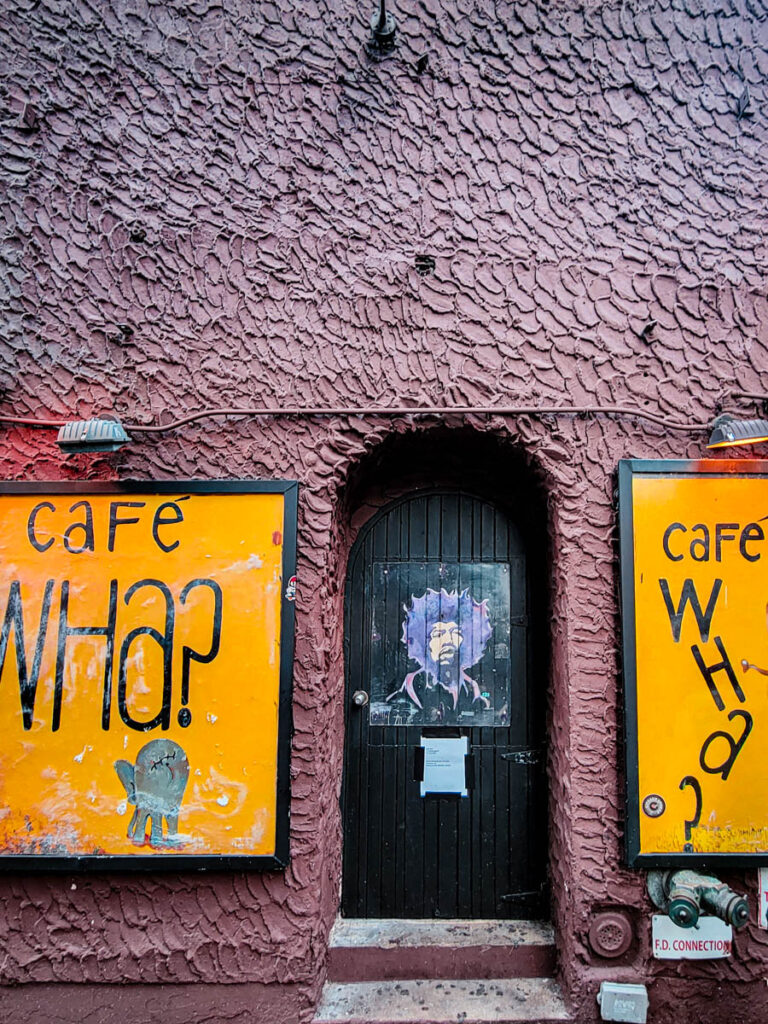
(445, 633)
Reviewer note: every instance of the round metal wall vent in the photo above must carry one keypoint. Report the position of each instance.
(610, 934)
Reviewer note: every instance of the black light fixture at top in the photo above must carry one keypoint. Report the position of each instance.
(383, 30)
(728, 432)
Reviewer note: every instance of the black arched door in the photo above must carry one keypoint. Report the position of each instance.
(438, 648)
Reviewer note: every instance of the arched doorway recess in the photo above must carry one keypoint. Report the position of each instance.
(444, 611)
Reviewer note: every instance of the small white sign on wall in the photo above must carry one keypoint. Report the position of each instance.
(762, 897)
(711, 939)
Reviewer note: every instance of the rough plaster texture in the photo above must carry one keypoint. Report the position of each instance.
(244, 191)
(172, 1004)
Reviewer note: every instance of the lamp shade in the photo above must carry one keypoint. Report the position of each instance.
(728, 432)
(92, 436)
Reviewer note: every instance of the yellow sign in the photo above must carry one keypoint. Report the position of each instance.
(695, 593)
(145, 658)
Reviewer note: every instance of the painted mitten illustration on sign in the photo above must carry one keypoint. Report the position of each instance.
(155, 785)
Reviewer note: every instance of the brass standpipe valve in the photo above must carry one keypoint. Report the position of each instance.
(683, 895)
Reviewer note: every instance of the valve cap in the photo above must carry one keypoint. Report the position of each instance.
(683, 912)
(739, 913)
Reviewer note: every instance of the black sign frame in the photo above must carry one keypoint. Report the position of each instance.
(628, 470)
(201, 862)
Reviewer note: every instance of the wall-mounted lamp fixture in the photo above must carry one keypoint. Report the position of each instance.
(92, 436)
(728, 432)
(383, 30)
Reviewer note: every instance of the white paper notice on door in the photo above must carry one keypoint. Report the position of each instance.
(445, 766)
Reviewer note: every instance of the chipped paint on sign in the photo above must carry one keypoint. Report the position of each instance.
(762, 898)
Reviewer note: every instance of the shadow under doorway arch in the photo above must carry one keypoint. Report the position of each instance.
(441, 644)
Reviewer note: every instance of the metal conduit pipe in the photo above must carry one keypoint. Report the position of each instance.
(391, 411)
(295, 411)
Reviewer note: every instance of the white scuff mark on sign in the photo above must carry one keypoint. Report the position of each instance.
(711, 939)
(218, 788)
(250, 841)
(259, 826)
(122, 807)
(762, 897)
(79, 757)
(211, 717)
(61, 800)
(253, 561)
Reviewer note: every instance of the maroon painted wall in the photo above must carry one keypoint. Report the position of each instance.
(246, 191)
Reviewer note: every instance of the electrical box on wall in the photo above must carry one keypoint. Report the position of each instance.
(623, 1002)
(694, 547)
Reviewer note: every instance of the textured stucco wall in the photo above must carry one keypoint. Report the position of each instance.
(247, 192)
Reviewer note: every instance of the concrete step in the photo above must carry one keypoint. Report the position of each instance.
(372, 950)
(472, 1001)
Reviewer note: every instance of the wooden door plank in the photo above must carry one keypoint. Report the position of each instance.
(446, 855)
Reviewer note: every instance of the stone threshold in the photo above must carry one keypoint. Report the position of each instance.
(396, 932)
(362, 950)
(471, 1001)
